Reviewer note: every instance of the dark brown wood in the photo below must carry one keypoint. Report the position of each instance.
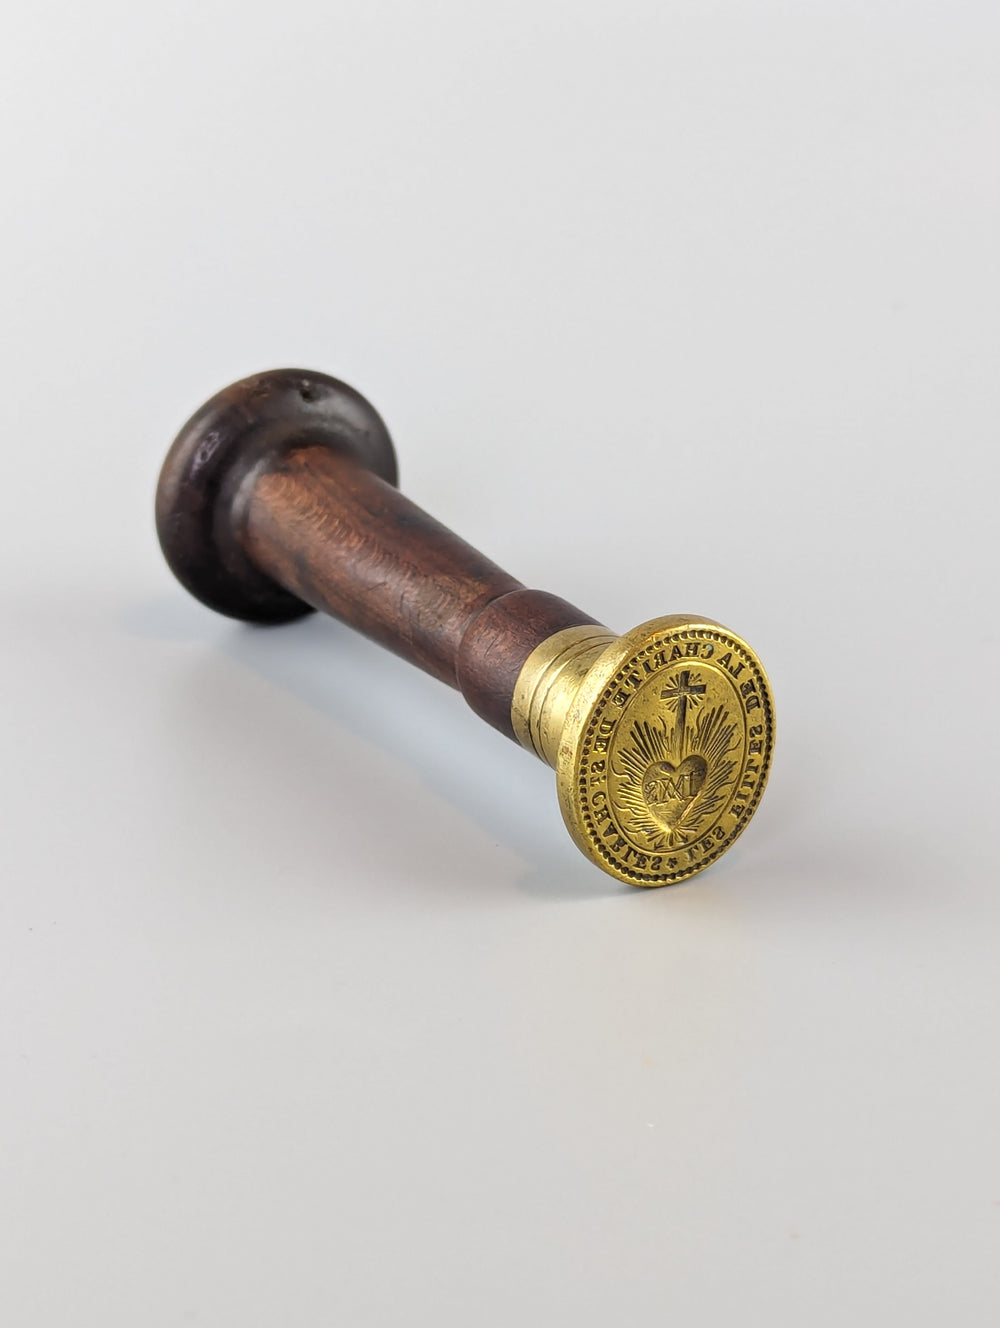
(208, 472)
(279, 496)
(497, 641)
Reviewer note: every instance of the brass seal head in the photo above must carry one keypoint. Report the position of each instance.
(661, 741)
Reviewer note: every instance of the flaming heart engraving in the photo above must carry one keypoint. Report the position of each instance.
(667, 798)
(670, 790)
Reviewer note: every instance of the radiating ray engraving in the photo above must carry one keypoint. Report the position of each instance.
(675, 777)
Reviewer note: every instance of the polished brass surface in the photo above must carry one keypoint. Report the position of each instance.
(661, 741)
(547, 684)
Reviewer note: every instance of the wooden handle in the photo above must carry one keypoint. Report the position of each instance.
(279, 496)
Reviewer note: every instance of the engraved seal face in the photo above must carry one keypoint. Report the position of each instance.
(668, 748)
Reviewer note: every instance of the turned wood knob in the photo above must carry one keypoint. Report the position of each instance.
(279, 497)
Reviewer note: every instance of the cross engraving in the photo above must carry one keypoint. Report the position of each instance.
(680, 691)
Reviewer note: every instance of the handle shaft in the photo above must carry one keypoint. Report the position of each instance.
(335, 534)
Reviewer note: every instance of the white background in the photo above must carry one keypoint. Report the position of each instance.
(310, 1013)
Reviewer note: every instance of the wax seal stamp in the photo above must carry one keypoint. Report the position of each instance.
(665, 749)
(278, 497)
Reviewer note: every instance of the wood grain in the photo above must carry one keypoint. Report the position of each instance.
(344, 541)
